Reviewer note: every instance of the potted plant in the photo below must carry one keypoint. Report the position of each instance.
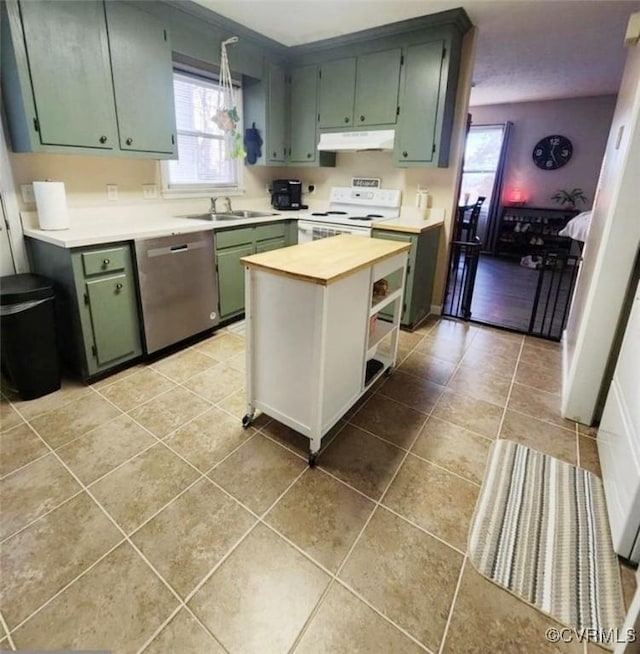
(571, 198)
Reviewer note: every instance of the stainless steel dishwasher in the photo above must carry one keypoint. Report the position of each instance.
(178, 287)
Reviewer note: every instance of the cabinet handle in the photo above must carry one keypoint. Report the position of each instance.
(118, 287)
(129, 141)
(106, 262)
(103, 139)
(405, 154)
(346, 119)
(275, 154)
(362, 118)
(308, 155)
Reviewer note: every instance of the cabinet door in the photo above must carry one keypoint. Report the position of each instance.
(416, 136)
(66, 43)
(142, 79)
(271, 244)
(304, 103)
(377, 83)
(113, 318)
(276, 115)
(231, 279)
(337, 93)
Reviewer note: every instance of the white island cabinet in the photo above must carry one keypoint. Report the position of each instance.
(322, 327)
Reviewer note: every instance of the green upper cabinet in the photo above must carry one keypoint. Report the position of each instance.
(303, 135)
(71, 76)
(377, 82)
(421, 105)
(277, 115)
(66, 55)
(337, 93)
(360, 91)
(304, 100)
(142, 79)
(265, 106)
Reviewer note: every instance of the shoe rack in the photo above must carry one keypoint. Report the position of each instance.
(532, 230)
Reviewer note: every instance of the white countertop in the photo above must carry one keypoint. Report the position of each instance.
(104, 224)
(412, 221)
(99, 230)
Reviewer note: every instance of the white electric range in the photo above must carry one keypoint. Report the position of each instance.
(351, 210)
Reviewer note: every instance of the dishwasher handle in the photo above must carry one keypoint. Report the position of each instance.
(175, 249)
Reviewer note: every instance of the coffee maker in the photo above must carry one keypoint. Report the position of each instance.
(286, 195)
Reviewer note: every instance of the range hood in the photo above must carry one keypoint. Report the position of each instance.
(380, 139)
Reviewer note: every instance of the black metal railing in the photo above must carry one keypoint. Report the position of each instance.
(556, 281)
(463, 265)
(557, 274)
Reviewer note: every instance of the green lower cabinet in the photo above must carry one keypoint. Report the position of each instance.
(271, 244)
(421, 265)
(113, 324)
(106, 296)
(235, 243)
(231, 279)
(97, 316)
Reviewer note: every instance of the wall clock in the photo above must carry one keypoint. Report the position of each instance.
(552, 152)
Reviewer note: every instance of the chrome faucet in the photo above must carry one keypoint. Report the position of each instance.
(212, 208)
(227, 200)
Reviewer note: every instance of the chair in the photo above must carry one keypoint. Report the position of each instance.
(470, 225)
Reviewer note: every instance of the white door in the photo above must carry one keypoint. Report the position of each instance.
(6, 257)
(619, 442)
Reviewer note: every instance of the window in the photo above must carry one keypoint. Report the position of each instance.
(203, 164)
(481, 158)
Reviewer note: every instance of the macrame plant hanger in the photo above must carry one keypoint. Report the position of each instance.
(226, 116)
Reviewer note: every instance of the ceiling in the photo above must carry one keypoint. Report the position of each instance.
(526, 49)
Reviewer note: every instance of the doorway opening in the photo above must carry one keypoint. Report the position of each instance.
(509, 267)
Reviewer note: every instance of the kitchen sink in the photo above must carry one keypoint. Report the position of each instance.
(243, 213)
(231, 215)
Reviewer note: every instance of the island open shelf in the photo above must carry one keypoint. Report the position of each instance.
(317, 338)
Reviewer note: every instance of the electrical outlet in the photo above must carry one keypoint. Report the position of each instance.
(27, 193)
(149, 191)
(311, 188)
(112, 192)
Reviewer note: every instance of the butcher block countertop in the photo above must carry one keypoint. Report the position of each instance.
(327, 260)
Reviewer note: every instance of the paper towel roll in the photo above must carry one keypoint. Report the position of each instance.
(51, 202)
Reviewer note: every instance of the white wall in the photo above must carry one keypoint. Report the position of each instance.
(609, 254)
(585, 121)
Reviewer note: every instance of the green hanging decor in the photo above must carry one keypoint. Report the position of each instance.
(227, 117)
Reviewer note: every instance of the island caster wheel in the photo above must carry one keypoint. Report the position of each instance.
(247, 420)
(312, 459)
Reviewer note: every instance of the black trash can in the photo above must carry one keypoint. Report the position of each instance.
(28, 334)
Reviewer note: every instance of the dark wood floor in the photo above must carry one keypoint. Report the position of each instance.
(504, 294)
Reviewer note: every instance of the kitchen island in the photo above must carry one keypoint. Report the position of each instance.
(322, 327)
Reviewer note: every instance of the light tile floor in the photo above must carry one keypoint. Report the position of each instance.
(138, 516)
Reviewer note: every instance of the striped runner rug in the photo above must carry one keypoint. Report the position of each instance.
(541, 531)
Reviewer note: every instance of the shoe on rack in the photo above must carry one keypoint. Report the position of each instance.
(530, 261)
